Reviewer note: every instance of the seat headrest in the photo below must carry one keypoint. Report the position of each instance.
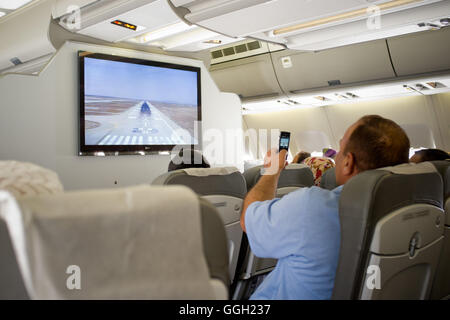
(207, 181)
(411, 168)
(443, 167)
(134, 243)
(206, 172)
(25, 179)
(329, 179)
(368, 197)
(294, 175)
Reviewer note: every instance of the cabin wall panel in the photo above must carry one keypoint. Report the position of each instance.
(294, 121)
(432, 111)
(404, 110)
(39, 122)
(441, 105)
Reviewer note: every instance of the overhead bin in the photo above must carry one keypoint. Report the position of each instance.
(250, 78)
(138, 17)
(344, 65)
(421, 52)
(313, 25)
(24, 35)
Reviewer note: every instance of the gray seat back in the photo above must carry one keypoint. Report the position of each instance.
(392, 224)
(441, 285)
(295, 176)
(119, 234)
(329, 179)
(225, 188)
(11, 282)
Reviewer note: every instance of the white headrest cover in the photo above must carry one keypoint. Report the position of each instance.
(296, 166)
(25, 179)
(134, 243)
(205, 172)
(412, 168)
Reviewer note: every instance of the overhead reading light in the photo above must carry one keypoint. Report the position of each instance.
(343, 16)
(213, 41)
(13, 4)
(124, 25)
(165, 32)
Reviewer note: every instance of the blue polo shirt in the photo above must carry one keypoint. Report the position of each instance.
(302, 231)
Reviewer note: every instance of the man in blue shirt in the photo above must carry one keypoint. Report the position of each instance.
(302, 230)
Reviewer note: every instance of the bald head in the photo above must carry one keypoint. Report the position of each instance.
(377, 142)
(370, 143)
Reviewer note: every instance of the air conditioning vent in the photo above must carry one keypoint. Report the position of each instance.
(242, 49)
(254, 45)
(228, 51)
(217, 54)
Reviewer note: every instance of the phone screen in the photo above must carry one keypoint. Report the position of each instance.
(285, 138)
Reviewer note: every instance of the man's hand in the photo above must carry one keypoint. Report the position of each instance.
(275, 162)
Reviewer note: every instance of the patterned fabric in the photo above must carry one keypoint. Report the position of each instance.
(318, 166)
(23, 179)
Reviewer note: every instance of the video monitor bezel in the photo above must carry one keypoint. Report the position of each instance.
(90, 150)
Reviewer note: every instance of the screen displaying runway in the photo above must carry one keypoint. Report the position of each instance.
(147, 106)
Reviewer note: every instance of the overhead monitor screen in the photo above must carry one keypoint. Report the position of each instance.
(133, 105)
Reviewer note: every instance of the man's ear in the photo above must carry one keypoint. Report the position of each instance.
(349, 164)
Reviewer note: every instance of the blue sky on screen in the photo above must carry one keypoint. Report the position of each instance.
(134, 81)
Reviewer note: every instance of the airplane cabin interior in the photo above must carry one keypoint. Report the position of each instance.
(101, 101)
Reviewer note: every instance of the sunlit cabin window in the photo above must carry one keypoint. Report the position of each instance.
(412, 151)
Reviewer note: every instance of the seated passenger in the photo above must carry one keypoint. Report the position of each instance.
(301, 156)
(329, 153)
(318, 166)
(302, 230)
(188, 158)
(429, 155)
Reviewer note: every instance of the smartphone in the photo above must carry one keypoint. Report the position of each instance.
(285, 138)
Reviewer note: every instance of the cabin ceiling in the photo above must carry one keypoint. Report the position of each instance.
(9, 6)
(214, 25)
(196, 25)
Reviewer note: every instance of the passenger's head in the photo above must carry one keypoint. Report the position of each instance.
(301, 156)
(372, 142)
(329, 153)
(429, 155)
(188, 158)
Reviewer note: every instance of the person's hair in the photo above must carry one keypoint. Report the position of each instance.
(432, 155)
(378, 142)
(302, 155)
(178, 162)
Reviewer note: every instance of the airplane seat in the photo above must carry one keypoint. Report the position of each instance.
(392, 226)
(225, 188)
(329, 179)
(12, 286)
(441, 286)
(139, 242)
(294, 177)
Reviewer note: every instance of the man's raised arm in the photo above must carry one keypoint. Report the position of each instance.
(266, 187)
